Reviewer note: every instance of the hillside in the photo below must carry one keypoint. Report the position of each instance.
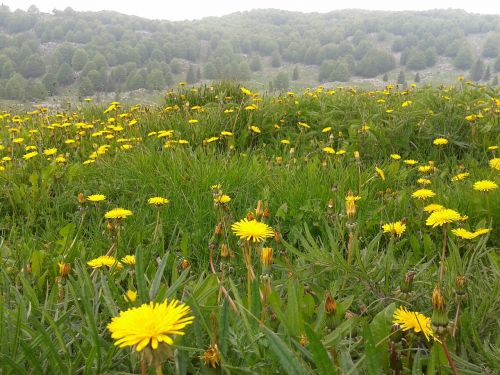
(85, 53)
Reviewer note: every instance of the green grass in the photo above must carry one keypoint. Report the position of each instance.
(53, 324)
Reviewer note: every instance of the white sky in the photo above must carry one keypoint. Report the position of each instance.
(188, 9)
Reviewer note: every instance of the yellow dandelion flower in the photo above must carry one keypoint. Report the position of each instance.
(158, 201)
(118, 213)
(440, 141)
(413, 321)
(328, 150)
(380, 173)
(255, 129)
(285, 141)
(397, 228)
(423, 181)
(485, 185)
(460, 176)
(130, 296)
(252, 230)
(104, 261)
(326, 130)
(304, 125)
(410, 162)
(481, 231)
(30, 155)
(441, 217)
(395, 157)
(463, 233)
(50, 151)
(222, 199)
(495, 163)
(96, 198)
(150, 324)
(129, 260)
(423, 194)
(433, 207)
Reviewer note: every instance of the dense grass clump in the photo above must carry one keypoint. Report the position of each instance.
(345, 193)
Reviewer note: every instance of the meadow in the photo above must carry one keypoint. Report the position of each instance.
(330, 231)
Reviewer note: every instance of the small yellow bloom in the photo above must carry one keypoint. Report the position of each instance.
(441, 217)
(30, 155)
(96, 198)
(380, 173)
(460, 176)
(495, 163)
(440, 141)
(423, 194)
(395, 156)
(130, 296)
(222, 199)
(118, 213)
(485, 185)
(129, 260)
(433, 207)
(104, 261)
(397, 228)
(252, 230)
(328, 150)
(158, 201)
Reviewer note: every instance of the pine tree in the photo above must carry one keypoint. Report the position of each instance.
(295, 74)
(401, 78)
(417, 78)
(477, 70)
(385, 78)
(495, 81)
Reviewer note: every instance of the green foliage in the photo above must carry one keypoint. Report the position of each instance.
(464, 58)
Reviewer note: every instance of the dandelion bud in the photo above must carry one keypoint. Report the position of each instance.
(211, 356)
(277, 236)
(130, 296)
(460, 285)
(266, 259)
(407, 285)
(29, 268)
(64, 269)
(224, 251)
(250, 216)
(356, 156)
(185, 264)
(439, 318)
(259, 210)
(81, 198)
(438, 300)
(266, 213)
(218, 230)
(330, 304)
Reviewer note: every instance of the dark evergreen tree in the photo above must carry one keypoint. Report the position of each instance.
(401, 78)
(487, 74)
(417, 77)
(385, 78)
(190, 77)
(281, 81)
(477, 70)
(295, 73)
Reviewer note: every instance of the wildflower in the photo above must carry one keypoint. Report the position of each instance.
(30, 155)
(350, 204)
(460, 176)
(104, 261)
(423, 194)
(266, 256)
(130, 295)
(410, 162)
(380, 172)
(423, 181)
(433, 207)
(252, 230)
(129, 260)
(328, 150)
(158, 201)
(255, 129)
(495, 163)
(330, 304)
(150, 324)
(118, 213)
(441, 217)
(96, 198)
(222, 199)
(440, 141)
(395, 157)
(304, 125)
(326, 130)
(485, 185)
(413, 321)
(211, 356)
(397, 228)
(285, 142)
(246, 91)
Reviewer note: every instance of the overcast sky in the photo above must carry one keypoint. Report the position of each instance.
(189, 9)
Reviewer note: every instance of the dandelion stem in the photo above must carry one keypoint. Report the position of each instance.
(443, 254)
(159, 370)
(143, 364)
(455, 323)
(448, 356)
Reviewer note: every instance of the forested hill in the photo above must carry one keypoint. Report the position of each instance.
(83, 53)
